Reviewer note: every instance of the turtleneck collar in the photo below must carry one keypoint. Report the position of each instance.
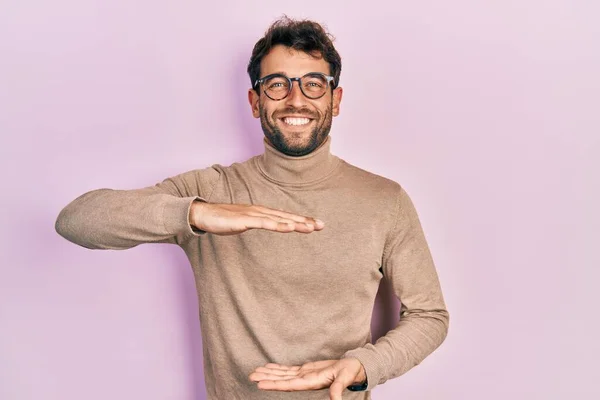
(297, 171)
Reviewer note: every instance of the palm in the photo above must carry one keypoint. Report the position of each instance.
(310, 376)
(336, 374)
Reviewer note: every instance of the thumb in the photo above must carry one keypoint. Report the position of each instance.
(343, 380)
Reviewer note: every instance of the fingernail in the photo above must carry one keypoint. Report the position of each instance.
(318, 221)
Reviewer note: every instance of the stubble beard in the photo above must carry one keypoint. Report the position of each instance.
(289, 146)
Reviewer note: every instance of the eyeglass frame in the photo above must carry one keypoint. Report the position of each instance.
(328, 78)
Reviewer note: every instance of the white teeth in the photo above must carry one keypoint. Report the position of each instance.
(296, 121)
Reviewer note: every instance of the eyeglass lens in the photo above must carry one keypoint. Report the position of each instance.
(278, 87)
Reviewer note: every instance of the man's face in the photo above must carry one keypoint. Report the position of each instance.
(295, 125)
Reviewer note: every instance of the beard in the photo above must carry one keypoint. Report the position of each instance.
(292, 144)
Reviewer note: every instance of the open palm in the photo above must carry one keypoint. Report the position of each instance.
(335, 374)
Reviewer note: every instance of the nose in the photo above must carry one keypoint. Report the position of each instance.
(295, 98)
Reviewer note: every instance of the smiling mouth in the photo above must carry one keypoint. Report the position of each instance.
(296, 121)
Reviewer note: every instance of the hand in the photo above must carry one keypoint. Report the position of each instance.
(335, 374)
(231, 219)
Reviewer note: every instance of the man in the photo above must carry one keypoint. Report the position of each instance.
(285, 297)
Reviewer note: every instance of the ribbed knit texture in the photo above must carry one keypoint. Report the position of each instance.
(285, 298)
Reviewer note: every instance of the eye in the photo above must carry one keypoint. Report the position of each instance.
(276, 83)
(314, 82)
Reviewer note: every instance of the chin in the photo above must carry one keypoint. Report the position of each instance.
(297, 151)
(301, 147)
(294, 141)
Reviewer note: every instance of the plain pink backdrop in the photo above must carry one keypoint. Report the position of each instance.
(488, 112)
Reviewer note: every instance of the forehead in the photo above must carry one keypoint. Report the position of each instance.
(291, 62)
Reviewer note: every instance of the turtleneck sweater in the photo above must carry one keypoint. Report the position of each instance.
(285, 298)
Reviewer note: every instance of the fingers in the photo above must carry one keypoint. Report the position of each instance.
(269, 224)
(335, 390)
(341, 382)
(276, 372)
(231, 219)
(274, 385)
(316, 223)
(277, 224)
(287, 385)
(263, 376)
(302, 227)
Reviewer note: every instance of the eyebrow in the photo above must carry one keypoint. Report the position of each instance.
(284, 74)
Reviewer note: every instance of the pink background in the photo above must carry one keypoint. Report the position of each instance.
(487, 112)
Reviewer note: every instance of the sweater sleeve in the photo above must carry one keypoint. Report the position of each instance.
(122, 219)
(424, 319)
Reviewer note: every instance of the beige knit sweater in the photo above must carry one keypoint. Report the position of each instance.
(285, 298)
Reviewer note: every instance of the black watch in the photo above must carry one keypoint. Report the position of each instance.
(359, 387)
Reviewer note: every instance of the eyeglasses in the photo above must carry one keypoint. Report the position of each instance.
(312, 85)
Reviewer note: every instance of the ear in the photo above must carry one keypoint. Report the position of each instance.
(337, 99)
(253, 99)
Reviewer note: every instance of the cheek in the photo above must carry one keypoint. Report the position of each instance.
(266, 109)
(324, 106)
(324, 111)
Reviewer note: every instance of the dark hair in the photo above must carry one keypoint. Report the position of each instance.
(302, 35)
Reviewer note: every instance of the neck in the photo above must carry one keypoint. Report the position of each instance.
(306, 169)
